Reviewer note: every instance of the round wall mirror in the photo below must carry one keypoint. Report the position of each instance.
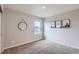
(22, 25)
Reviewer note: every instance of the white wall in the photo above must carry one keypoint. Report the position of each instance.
(69, 36)
(0, 32)
(13, 36)
(2, 29)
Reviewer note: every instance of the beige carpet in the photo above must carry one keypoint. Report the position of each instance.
(42, 47)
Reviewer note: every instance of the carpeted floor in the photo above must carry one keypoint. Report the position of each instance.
(42, 47)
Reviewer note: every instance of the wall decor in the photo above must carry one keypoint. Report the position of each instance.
(66, 23)
(58, 24)
(53, 24)
(22, 25)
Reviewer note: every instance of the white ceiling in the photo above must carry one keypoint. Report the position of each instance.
(37, 10)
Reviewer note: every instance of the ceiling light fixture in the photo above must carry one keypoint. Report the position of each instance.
(43, 7)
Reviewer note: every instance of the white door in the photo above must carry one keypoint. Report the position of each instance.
(0, 32)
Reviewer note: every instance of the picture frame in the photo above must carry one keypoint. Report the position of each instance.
(66, 23)
(53, 24)
(58, 24)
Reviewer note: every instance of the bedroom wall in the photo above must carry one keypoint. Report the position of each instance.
(13, 36)
(0, 32)
(1, 29)
(68, 36)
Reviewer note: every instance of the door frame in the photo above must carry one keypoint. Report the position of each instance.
(0, 26)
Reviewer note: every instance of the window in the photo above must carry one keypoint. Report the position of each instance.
(36, 27)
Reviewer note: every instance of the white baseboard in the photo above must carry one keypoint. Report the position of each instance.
(66, 44)
(21, 44)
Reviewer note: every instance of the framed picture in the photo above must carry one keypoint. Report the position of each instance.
(53, 24)
(58, 24)
(66, 23)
